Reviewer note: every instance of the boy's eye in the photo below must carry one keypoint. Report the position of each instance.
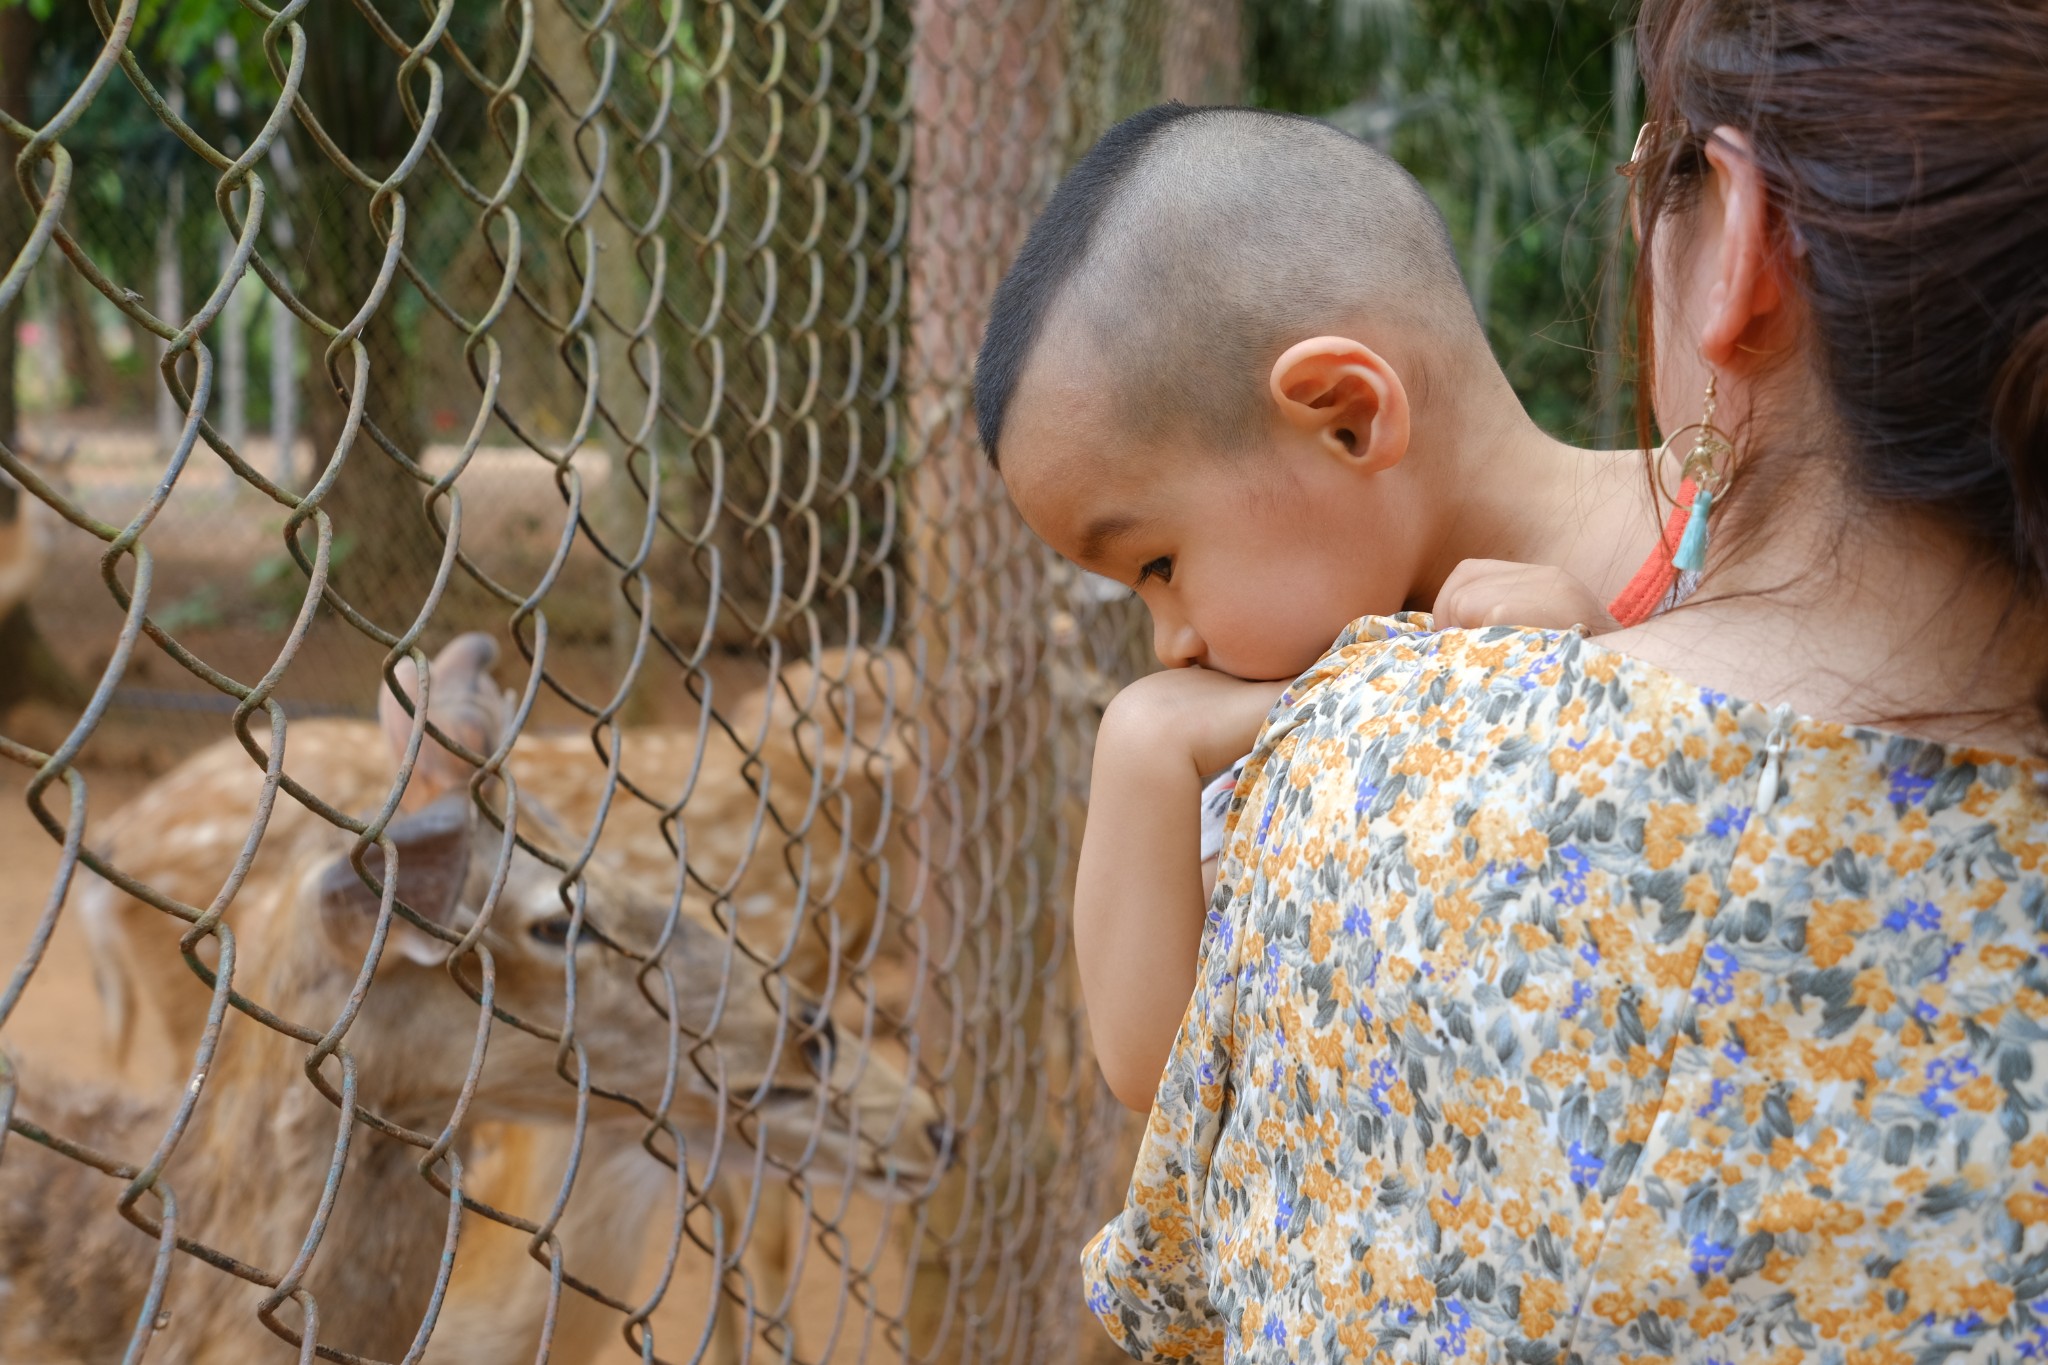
(1160, 568)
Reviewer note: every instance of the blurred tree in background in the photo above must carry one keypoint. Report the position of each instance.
(1514, 114)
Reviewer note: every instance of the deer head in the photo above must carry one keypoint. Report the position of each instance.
(605, 975)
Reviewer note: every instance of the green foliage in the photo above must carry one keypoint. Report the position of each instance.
(1504, 110)
(199, 609)
(277, 585)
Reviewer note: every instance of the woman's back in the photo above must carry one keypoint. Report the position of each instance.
(1528, 1031)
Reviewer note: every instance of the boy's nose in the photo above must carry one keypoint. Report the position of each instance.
(1175, 643)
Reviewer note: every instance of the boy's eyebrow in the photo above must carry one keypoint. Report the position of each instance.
(1104, 532)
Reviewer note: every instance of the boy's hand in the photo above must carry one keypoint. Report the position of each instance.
(1211, 717)
(1494, 592)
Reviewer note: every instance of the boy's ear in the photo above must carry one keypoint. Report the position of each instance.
(1348, 396)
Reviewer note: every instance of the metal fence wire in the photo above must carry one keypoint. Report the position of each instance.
(676, 966)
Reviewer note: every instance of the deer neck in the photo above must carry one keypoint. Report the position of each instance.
(263, 1143)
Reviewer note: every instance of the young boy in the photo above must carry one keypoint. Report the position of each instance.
(1235, 366)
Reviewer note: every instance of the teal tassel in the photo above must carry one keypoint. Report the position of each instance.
(1692, 547)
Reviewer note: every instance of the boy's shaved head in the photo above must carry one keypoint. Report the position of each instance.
(1192, 246)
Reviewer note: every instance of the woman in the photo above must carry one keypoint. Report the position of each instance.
(1682, 994)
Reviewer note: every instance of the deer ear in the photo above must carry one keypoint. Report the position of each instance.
(463, 703)
(433, 863)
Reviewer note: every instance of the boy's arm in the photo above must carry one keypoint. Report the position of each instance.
(1138, 898)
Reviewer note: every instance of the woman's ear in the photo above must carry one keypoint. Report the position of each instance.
(1347, 396)
(1744, 308)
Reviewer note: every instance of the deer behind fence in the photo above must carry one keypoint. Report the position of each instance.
(410, 1071)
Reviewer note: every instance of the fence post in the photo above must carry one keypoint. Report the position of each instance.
(234, 319)
(234, 357)
(284, 334)
(284, 385)
(170, 298)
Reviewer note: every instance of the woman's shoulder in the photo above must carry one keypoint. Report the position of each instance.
(1490, 686)
(1550, 716)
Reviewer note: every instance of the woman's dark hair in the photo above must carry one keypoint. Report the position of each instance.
(1905, 147)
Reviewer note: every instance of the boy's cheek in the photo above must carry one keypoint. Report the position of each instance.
(1275, 651)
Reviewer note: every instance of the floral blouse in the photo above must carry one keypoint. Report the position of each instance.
(1554, 1010)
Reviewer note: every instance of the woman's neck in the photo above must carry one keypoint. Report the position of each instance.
(1863, 616)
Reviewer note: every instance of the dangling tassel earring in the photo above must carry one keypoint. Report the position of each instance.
(1711, 450)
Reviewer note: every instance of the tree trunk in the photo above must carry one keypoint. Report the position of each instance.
(28, 670)
(94, 382)
(1201, 57)
(17, 52)
(386, 552)
(170, 306)
(284, 388)
(233, 326)
(389, 551)
(1612, 330)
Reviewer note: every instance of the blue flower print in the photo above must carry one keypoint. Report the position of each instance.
(1914, 915)
(1731, 820)
(1945, 1076)
(1368, 792)
(1381, 1084)
(1709, 1257)
(1909, 788)
(1451, 1341)
(1717, 974)
(1532, 677)
(1266, 820)
(1225, 935)
(1572, 891)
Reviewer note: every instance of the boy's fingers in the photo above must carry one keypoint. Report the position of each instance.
(1453, 607)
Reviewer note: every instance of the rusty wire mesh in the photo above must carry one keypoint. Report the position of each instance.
(743, 1026)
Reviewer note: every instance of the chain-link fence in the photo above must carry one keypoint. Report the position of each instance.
(581, 391)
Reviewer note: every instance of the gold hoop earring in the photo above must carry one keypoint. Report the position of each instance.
(1705, 465)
